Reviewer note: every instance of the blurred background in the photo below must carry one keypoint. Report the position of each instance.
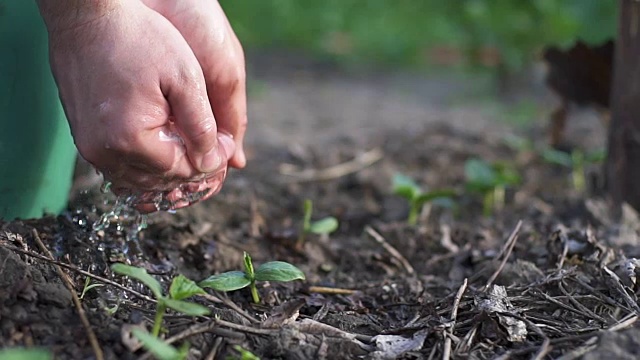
(361, 65)
(421, 34)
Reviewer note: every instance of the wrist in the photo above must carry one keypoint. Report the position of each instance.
(70, 14)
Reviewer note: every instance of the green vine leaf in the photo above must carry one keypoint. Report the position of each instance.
(278, 271)
(229, 281)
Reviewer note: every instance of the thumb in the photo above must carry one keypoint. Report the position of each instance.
(208, 150)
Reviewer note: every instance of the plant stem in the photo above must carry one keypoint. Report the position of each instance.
(413, 214)
(577, 171)
(579, 182)
(157, 323)
(306, 223)
(498, 197)
(487, 203)
(254, 292)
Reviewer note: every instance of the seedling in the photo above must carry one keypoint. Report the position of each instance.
(577, 161)
(407, 188)
(518, 143)
(181, 288)
(159, 348)
(25, 354)
(321, 227)
(244, 354)
(235, 280)
(88, 286)
(491, 181)
(112, 310)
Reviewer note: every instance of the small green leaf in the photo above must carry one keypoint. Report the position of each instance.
(480, 175)
(278, 271)
(141, 275)
(596, 156)
(518, 143)
(182, 288)
(248, 266)
(187, 308)
(436, 194)
(86, 289)
(183, 351)
(506, 175)
(88, 286)
(324, 226)
(405, 186)
(25, 354)
(244, 354)
(557, 157)
(157, 347)
(229, 281)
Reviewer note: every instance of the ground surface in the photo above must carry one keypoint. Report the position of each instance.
(568, 284)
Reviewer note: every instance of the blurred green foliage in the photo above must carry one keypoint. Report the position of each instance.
(421, 32)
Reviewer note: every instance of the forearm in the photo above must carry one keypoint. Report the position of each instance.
(69, 14)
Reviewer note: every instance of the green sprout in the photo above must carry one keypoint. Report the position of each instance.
(88, 286)
(405, 187)
(159, 348)
(25, 354)
(244, 354)
(181, 288)
(518, 143)
(491, 181)
(236, 280)
(323, 226)
(577, 161)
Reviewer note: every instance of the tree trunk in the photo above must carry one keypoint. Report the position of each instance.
(622, 167)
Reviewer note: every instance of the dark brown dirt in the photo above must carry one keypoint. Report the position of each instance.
(559, 296)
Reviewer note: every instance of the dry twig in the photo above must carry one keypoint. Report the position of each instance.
(331, 291)
(214, 349)
(390, 249)
(617, 283)
(76, 300)
(232, 305)
(505, 252)
(358, 163)
(578, 305)
(446, 353)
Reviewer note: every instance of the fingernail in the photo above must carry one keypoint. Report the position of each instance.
(211, 161)
(218, 156)
(241, 157)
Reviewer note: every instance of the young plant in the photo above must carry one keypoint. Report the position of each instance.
(244, 354)
(518, 143)
(236, 280)
(25, 354)
(320, 227)
(159, 348)
(407, 188)
(88, 286)
(181, 288)
(577, 161)
(490, 181)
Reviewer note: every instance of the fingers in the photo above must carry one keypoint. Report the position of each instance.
(183, 195)
(229, 103)
(194, 119)
(226, 87)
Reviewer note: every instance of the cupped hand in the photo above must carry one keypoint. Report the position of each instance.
(136, 100)
(207, 31)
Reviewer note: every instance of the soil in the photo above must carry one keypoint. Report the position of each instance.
(550, 274)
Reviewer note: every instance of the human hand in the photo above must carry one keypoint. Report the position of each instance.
(207, 31)
(123, 74)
